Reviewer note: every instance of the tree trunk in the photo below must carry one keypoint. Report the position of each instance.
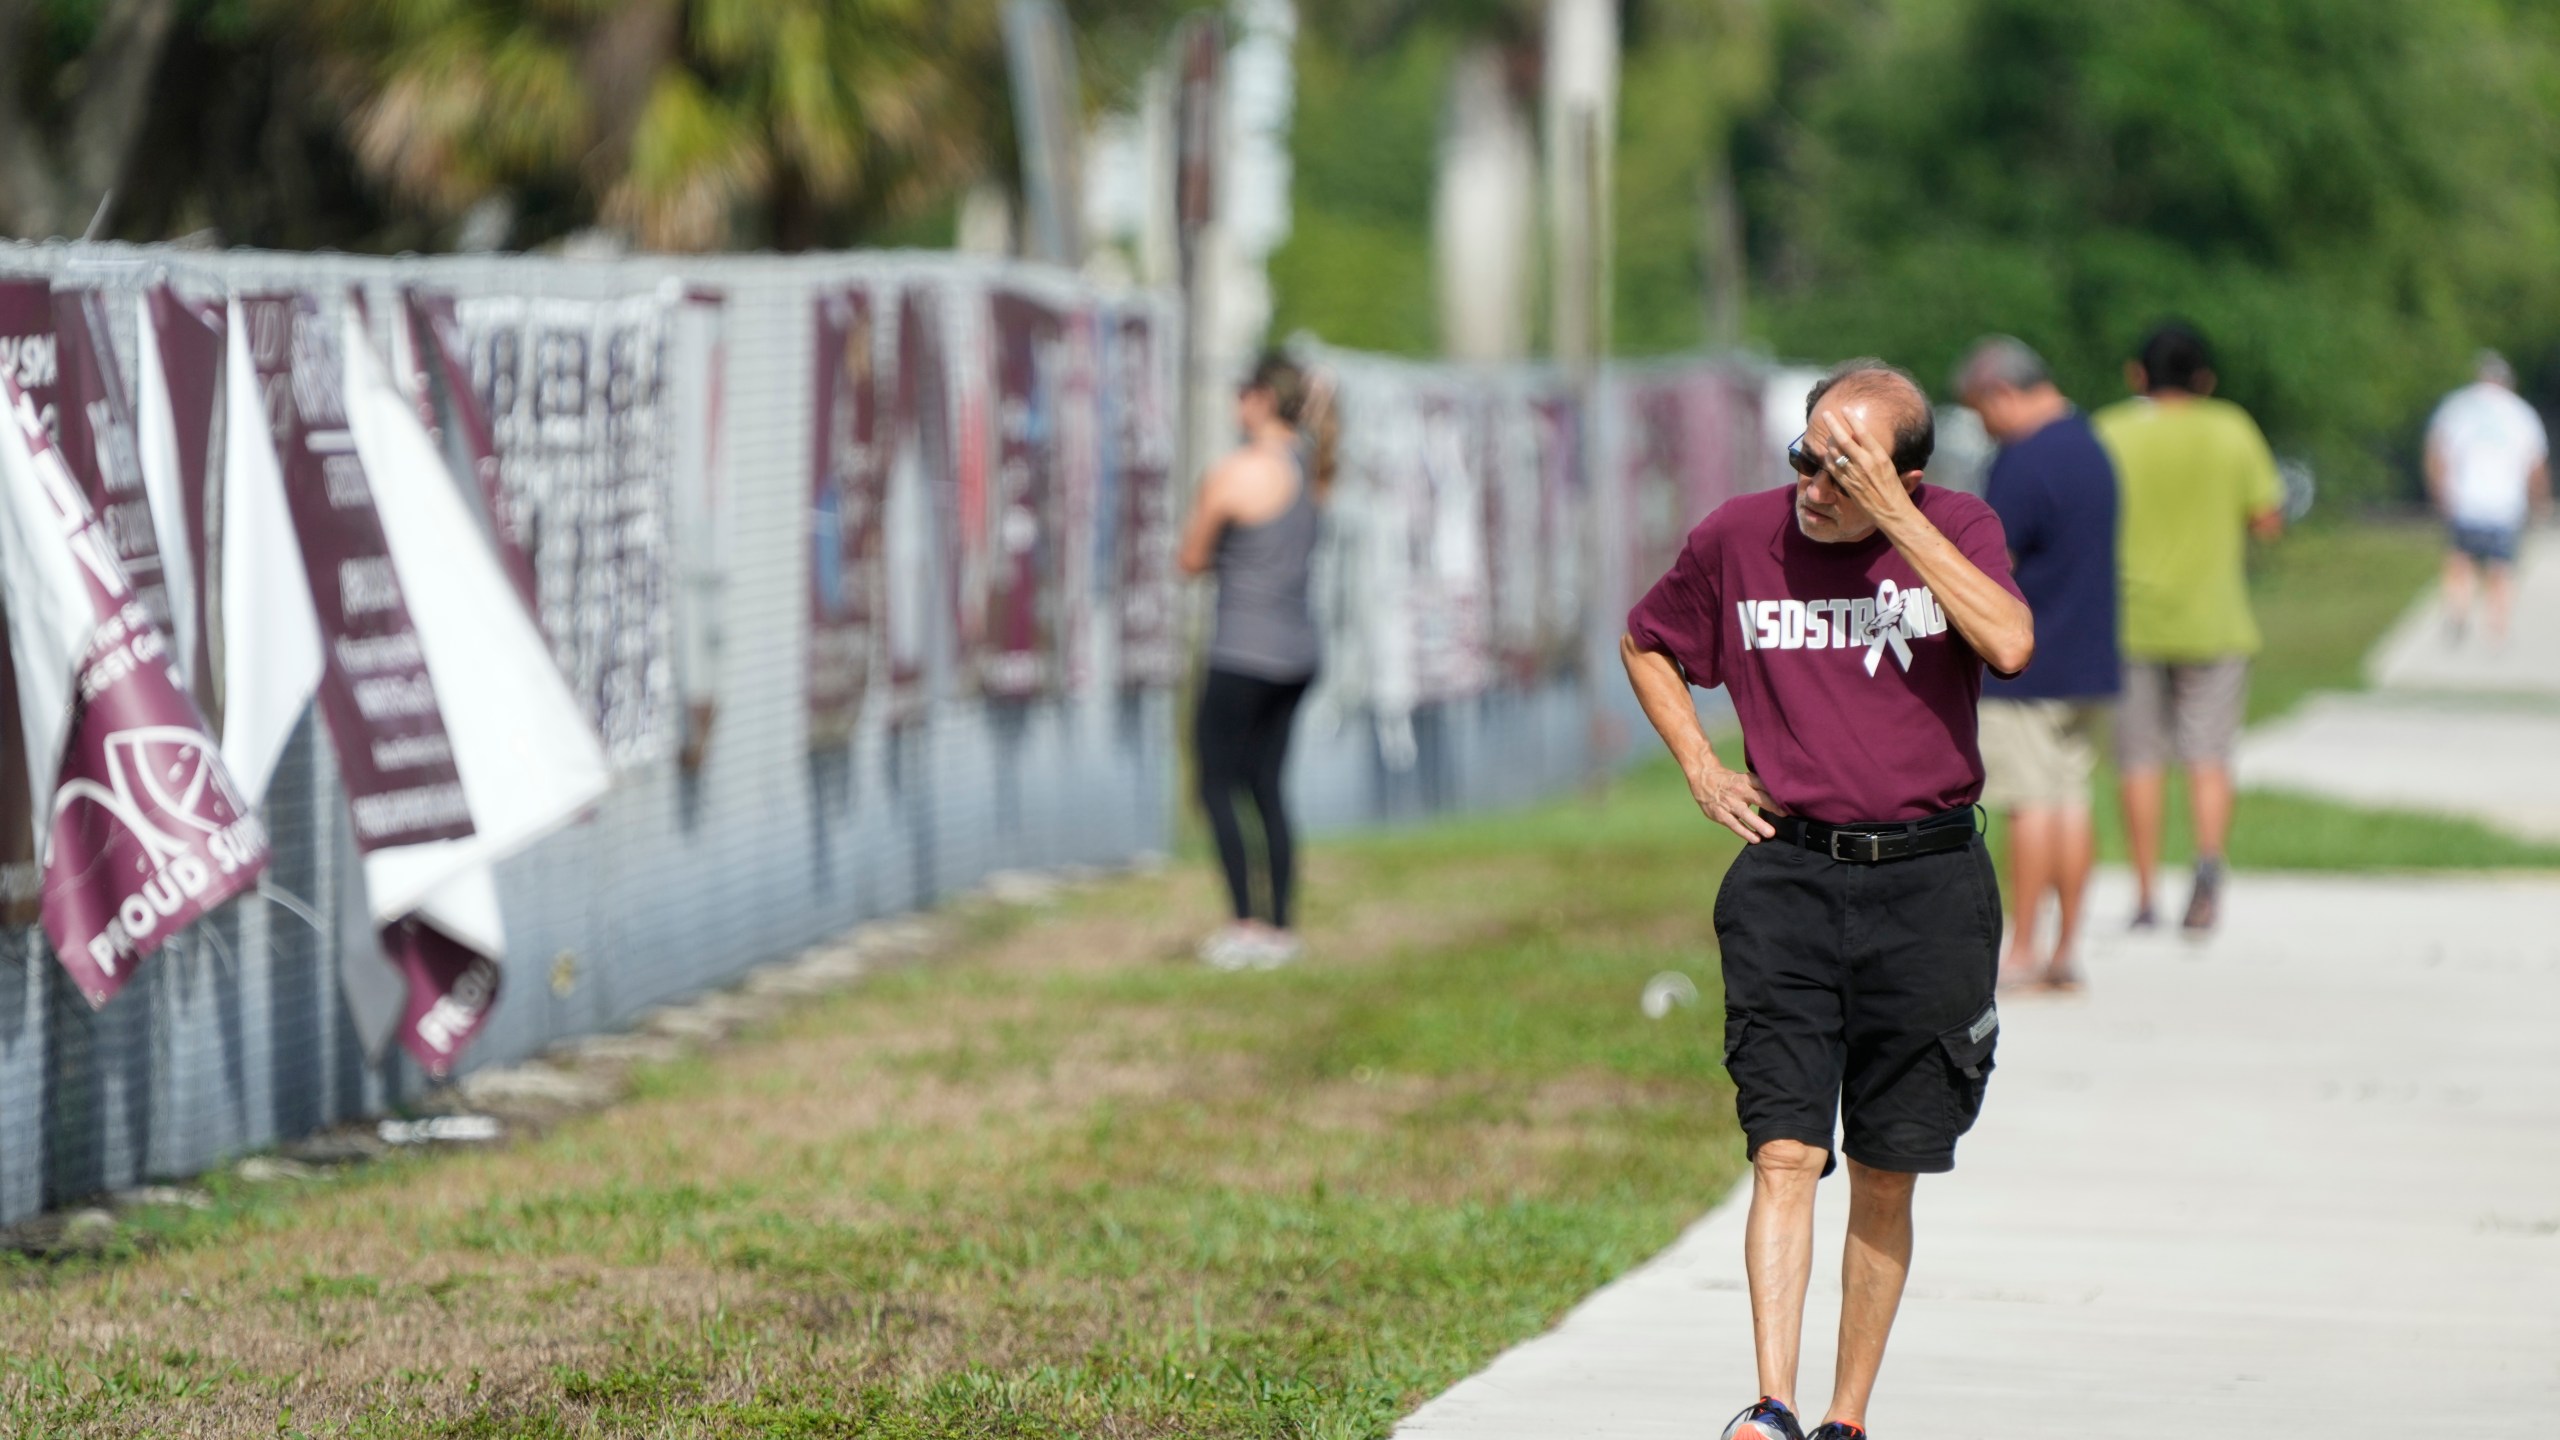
(29, 187)
(117, 77)
(619, 58)
(60, 190)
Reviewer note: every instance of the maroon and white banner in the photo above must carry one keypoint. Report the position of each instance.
(1075, 443)
(180, 361)
(95, 428)
(920, 583)
(528, 757)
(144, 829)
(32, 361)
(1516, 540)
(380, 703)
(847, 500)
(450, 989)
(1692, 442)
(698, 507)
(1019, 650)
(1138, 433)
(1447, 600)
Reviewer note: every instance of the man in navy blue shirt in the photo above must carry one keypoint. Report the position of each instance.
(2055, 491)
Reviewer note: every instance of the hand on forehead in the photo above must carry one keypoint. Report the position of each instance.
(1862, 414)
(1877, 404)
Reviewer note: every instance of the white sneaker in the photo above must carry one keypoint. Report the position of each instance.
(1233, 947)
(1275, 948)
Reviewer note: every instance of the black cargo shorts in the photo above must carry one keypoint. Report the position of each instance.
(1863, 992)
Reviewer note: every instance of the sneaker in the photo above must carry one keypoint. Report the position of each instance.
(1234, 947)
(1765, 1419)
(1837, 1430)
(2204, 907)
(1274, 948)
(2145, 920)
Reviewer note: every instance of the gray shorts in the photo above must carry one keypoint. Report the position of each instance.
(2189, 711)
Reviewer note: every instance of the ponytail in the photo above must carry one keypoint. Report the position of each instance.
(1304, 402)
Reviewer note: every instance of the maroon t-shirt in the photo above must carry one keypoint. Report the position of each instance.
(1856, 695)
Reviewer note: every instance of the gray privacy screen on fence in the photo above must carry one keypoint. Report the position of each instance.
(1487, 530)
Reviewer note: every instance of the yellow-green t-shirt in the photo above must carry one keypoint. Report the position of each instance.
(2189, 475)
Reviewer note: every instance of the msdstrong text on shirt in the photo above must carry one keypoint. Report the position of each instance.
(1856, 695)
(1892, 618)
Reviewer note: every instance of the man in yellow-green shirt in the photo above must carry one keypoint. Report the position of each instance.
(2196, 480)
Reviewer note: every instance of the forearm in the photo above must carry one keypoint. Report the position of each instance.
(1199, 548)
(1998, 625)
(1663, 692)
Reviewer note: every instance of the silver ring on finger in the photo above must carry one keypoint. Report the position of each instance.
(1839, 462)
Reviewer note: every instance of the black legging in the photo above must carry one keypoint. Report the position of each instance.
(1243, 740)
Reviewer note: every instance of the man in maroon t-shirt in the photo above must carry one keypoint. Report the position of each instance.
(1849, 618)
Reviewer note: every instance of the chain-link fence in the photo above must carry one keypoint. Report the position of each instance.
(1481, 550)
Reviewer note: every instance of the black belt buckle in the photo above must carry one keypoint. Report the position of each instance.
(1866, 848)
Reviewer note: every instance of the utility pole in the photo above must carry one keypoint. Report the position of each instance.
(1581, 129)
(1581, 122)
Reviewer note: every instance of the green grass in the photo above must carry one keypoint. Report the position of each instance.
(1066, 1183)
(2324, 595)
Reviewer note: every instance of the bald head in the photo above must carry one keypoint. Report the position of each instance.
(1893, 396)
(2004, 381)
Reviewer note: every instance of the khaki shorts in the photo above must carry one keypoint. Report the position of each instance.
(2039, 754)
(2187, 711)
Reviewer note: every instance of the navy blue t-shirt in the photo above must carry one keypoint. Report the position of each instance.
(2055, 493)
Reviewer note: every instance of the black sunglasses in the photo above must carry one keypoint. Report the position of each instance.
(1807, 464)
(1804, 461)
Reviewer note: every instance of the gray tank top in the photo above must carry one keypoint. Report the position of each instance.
(1265, 628)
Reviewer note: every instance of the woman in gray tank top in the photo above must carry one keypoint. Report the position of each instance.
(1255, 525)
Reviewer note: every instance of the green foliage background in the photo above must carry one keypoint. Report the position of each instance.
(2348, 196)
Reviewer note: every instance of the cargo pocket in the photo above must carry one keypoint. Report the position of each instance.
(1969, 1051)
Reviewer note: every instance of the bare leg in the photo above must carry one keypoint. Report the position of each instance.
(2501, 593)
(2078, 834)
(1872, 1269)
(2143, 792)
(2457, 589)
(2209, 794)
(2031, 873)
(1777, 1252)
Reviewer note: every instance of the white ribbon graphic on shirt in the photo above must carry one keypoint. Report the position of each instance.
(1887, 628)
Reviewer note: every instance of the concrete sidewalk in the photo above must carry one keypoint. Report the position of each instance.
(2304, 1180)
(2462, 726)
(2420, 654)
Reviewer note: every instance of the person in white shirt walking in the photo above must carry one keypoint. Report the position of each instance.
(2488, 472)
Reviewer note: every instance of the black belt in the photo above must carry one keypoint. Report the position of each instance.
(1874, 844)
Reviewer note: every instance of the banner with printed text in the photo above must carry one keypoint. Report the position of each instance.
(1139, 435)
(180, 362)
(32, 361)
(144, 830)
(394, 756)
(848, 494)
(571, 396)
(1018, 651)
(920, 492)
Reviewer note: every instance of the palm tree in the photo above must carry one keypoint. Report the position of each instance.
(688, 124)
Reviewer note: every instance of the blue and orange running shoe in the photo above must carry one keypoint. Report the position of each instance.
(1765, 1419)
(1837, 1430)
